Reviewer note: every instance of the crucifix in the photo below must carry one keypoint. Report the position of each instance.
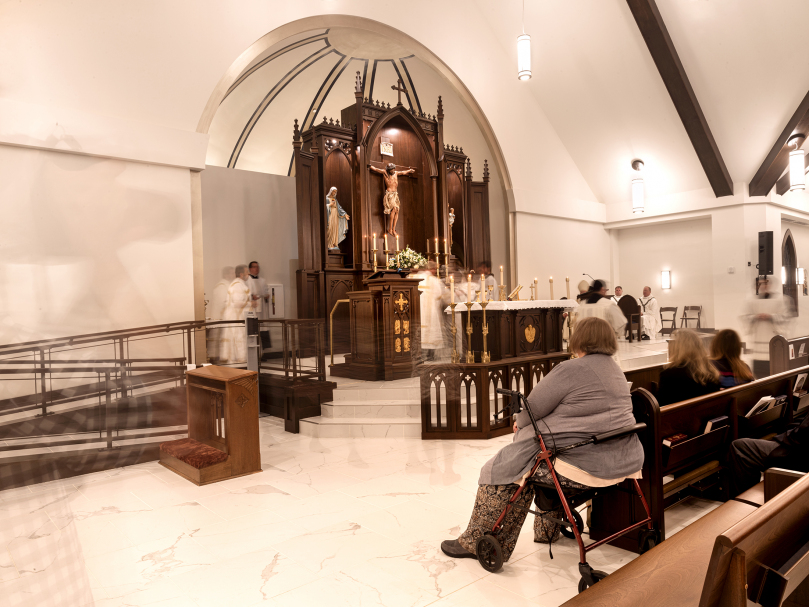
(400, 88)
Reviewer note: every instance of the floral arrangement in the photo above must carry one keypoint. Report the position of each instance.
(409, 259)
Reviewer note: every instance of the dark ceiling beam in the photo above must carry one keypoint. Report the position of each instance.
(657, 39)
(777, 160)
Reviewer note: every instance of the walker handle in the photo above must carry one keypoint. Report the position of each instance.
(619, 433)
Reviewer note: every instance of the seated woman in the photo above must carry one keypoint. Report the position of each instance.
(688, 373)
(577, 399)
(726, 352)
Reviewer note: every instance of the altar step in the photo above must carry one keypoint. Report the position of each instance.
(361, 427)
(365, 409)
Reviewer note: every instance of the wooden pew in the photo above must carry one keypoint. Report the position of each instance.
(780, 358)
(693, 466)
(734, 553)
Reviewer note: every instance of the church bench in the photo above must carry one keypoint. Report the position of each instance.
(692, 466)
(722, 558)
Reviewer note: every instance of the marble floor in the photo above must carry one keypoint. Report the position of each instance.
(342, 521)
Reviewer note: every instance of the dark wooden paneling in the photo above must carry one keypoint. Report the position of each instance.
(455, 199)
(338, 285)
(415, 191)
(478, 234)
(665, 56)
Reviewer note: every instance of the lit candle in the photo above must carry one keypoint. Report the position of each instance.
(551, 287)
(567, 284)
(469, 288)
(452, 288)
(386, 243)
(482, 288)
(501, 276)
(374, 243)
(428, 246)
(397, 243)
(446, 252)
(436, 247)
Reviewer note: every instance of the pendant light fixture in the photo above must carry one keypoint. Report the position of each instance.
(797, 164)
(638, 202)
(523, 51)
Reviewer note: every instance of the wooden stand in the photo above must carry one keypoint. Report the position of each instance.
(384, 324)
(222, 438)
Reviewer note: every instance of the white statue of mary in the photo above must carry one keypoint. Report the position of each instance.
(337, 225)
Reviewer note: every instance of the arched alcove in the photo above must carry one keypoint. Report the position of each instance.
(789, 262)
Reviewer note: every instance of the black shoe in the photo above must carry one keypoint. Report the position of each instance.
(645, 337)
(454, 549)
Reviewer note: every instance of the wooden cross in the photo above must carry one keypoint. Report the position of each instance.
(400, 87)
(401, 302)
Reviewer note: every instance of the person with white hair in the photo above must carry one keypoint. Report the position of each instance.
(650, 311)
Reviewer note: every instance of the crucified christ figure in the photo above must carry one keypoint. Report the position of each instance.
(391, 199)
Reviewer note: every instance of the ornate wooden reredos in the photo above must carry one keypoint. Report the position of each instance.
(339, 153)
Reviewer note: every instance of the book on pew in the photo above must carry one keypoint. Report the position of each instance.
(674, 439)
(764, 403)
(716, 423)
(799, 383)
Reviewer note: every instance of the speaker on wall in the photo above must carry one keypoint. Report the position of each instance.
(765, 253)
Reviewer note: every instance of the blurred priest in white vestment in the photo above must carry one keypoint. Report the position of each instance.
(434, 298)
(233, 346)
(650, 309)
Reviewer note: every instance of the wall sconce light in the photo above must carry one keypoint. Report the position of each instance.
(523, 51)
(665, 279)
(797, 164)
(638, 202)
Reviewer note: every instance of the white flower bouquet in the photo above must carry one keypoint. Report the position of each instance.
(408, 259)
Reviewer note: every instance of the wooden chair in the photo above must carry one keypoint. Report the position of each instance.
(631, 309)
(686, 316)
(668, 330)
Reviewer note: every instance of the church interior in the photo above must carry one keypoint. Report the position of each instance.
(287, 287)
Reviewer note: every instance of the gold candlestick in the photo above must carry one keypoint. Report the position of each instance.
(387, 253)
(491, 293)
(373, 258)
(456, 358)
(470, 355)
(485, 356)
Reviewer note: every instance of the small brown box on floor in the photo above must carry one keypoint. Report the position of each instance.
(223, 433)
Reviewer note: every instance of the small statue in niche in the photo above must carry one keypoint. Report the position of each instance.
(391, 199)
(337, 222)
(451, 217)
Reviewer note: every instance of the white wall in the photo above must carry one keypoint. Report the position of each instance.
(89, 244)
(550, 246)
(684, 248)
(250, 216)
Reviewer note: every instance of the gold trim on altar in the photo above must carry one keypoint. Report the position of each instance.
(530, 333)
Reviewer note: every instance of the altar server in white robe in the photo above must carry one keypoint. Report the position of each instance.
(485, 268)
(619, 293)
(259, 292)
(597, 304)
(767, 315)
(233, 348)
(434, 297)
(460, 289)
(650, 309)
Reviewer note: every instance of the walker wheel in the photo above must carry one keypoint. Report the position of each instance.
(647, 540)
(597, 576)
(490, 554)
(568, 532)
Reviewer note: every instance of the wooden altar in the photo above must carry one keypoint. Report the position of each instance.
(339, 153)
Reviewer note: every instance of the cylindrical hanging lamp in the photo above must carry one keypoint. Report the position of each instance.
(797, 165)
(638, 202)
(524, 57)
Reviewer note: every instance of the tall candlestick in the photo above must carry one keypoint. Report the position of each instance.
(482, 288)
(551, 287)
(436, 248)
(567, 284)
(501, 277)
(469, 288)
(397, 243)
(428, 247)
(386, 242)
(452, 289)
(446, 252)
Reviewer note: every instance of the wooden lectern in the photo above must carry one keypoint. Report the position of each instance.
(385, 326)
(222, 438)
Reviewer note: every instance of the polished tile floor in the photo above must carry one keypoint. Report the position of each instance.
(350, 521)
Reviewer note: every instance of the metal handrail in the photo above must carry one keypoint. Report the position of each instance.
(331, 328)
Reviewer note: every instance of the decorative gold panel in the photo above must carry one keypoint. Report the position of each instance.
(397, 327)
(401, 302)
(406, 326)
(530, 333)
(407, 344)
(398, 345)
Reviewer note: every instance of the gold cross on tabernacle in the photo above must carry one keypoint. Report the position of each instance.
(399, 87)
(401, 302)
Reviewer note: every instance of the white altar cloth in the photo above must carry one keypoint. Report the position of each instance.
(564, 304)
